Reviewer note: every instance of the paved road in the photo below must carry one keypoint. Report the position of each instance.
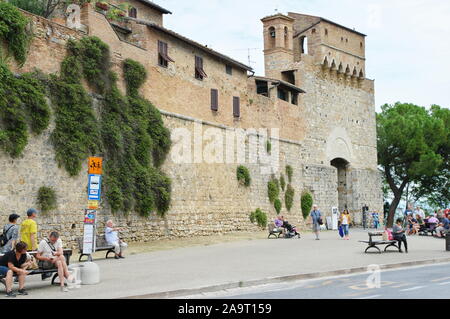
(244, 261)
(426, 282)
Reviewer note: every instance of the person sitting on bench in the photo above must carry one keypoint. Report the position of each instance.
(288, 227)
(14, 262)
(112, 237)
(51, 256)
(399, 235)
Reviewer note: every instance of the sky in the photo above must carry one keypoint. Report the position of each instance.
(407, 48)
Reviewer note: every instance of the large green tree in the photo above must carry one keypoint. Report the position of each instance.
(412, 147)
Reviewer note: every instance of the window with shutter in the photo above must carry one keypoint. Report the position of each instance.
(199, 72)
(163, 55)
(236, 107)
(214, 100)
(132, 13)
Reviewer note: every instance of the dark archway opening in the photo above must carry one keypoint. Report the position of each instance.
(342, 187)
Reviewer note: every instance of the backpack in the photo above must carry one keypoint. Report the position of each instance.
(4, 237)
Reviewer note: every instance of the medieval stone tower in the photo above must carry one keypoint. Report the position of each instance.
(327, 60)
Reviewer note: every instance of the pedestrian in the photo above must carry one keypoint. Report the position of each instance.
(11, 232)
(317, 220)
(345, 220)
(399, 235)
(376, 220)
(51, 256)
(112, 237)
(28, 230)
(14, 262)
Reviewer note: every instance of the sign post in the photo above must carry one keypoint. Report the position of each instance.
(95, 171)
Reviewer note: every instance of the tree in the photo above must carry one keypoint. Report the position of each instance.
(411, 147)
(437, 188)
(39, 7)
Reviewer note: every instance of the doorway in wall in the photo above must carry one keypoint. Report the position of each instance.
(342, 167)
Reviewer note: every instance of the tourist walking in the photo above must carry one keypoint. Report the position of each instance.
(28, 230)
(317, 220)
(345, 220)
(11, 232)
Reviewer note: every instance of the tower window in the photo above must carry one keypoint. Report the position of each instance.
(326, 31)
(272, 32)
(313, 31)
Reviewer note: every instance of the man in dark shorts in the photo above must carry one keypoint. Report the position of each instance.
(12, 263)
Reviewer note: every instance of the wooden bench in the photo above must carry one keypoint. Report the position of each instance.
(275, 231)
(67, 255)
(100, 245)
(374, 243)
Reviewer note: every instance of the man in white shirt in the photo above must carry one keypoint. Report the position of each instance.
(112, 237)
(51, 256)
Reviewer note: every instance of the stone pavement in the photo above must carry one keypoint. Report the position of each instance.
(150, 275)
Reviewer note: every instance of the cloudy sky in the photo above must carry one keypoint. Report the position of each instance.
(408, 43)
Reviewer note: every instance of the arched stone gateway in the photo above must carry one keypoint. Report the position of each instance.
(340, 155)
(343, 181)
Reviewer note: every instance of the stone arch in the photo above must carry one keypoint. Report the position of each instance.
(272, 37)
(361, 74)
(339, 145)
(355, 72)
(340, 68)
(347, 70)
(333, 65)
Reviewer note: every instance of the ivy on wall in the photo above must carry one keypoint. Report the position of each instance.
(46, 199)
(130, 133)
(243, 175)
(13, 31)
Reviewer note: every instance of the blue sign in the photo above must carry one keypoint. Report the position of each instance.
(95, 187)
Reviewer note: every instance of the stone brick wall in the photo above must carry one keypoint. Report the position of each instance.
(207, 198)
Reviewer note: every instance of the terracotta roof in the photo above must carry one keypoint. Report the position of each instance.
(281, 82)
(328, 21)
(155, 6)
(195, 44)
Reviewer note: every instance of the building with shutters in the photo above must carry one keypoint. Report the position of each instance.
(314, 99)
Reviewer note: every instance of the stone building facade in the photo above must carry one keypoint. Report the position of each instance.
(320, 118)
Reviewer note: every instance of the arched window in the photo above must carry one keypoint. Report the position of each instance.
(272, 37)
(304, 45)
(286, 37)
(132, 13)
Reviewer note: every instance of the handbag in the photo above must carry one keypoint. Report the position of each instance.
(320, 221)
(33, 264)
(341, 231)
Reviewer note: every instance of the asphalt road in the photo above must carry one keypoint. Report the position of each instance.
(426, 282)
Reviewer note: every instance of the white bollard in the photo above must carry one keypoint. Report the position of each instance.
(90, 274)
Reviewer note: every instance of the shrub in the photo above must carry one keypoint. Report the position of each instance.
(46, 199)
(289, 172)
(259, 217)
(243, 175)
(273, 189)
(289, 197)
(278, 205)
(307, 203)
(282, 182)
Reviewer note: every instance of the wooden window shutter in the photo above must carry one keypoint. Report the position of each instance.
(214, 100)
(199, 67)
(236, 107)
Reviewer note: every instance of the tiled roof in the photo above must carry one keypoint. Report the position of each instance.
(155, 6)
(196, 44)
(281, 82)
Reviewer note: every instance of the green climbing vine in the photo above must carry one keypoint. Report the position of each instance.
(22, 104)
(130, 133)
(13, 31)
(46, 199)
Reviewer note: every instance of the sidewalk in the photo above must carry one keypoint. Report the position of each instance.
(149, 275)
